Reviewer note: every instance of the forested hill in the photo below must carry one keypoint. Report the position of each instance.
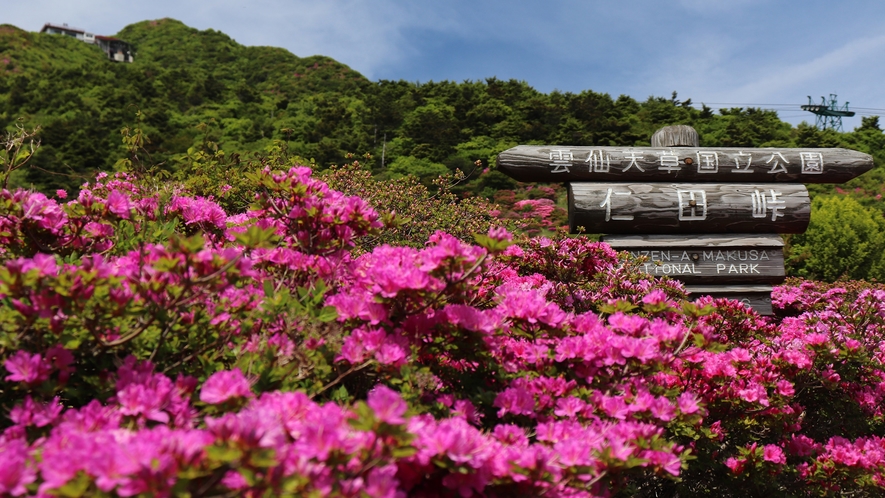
(249, 96)
(181, 77)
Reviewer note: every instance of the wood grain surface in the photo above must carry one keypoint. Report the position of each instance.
(715, 259)
(687, 208)
(552, 163)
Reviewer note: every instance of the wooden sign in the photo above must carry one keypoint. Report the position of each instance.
(549, 163)
(707, 259)
(757, 297)
(655, 208)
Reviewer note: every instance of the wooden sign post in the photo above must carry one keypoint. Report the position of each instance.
(688, 208)
(544, 163)
(708, 259)
(699, 195)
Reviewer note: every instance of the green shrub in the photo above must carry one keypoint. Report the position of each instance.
(843, 240)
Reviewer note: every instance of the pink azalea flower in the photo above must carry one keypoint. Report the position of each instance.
(687, 403)
(391, 354)
(61, 360)
(26, 367)
(511, 434)
(656, 296)
(801, 445)
(465, 409)
(500, 233)
(735, 465)
(234, 480)
(198, 210)
(382, 482)
(569, 407)
(15, 470)
(515, 400)
(774, 454)
(46, 212)
(224, 385)
(785, 388)
(352, 350)
(35, 413)
(118, 203)
(387, 404)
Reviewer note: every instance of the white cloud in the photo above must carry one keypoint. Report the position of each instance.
(710, 50)
(820, 69)
(364, 35)
(360, 34)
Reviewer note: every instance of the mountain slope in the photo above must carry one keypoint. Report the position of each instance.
(181, 78)
(198, 88)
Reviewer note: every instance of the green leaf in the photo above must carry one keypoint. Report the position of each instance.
(365, 419)
(619, 306)
(76, 486)
(224, 453)
(692, 310)
(403, 451)
(328, 314)
(490, 244)
(255, 237)
(263, 458)
(340, 394)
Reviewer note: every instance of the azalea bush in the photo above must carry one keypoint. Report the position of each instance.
(534, 208)
(411, 211)
(155, 343)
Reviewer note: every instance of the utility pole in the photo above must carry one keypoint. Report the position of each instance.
(383, 150)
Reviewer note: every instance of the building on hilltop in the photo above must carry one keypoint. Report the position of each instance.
(115, 48)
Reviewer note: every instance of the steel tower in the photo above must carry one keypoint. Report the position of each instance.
(829, 114)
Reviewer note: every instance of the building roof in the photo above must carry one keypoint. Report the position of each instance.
(62, 26)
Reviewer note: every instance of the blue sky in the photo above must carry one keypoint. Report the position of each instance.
(772, 54)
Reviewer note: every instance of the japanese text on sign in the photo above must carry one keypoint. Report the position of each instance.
(599, 161)
(692, 205)
(607, 204)
(562, 159)
(761, 204)
(671, 161)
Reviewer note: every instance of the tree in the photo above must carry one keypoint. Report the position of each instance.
(433, 130)
(843, 240)
(423, 169)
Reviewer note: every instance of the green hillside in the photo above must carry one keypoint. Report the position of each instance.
(201, 90)
(181, 77)
(251, 95)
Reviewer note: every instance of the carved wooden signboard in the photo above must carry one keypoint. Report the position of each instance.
(697, 194)
(688, 208)
(708, 259)
(534, 163)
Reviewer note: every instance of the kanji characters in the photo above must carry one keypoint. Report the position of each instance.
(812, 163)
(607, 204)
(692, 205)
(562, 159)
(599, 161)
(762, 204)
(708, 162)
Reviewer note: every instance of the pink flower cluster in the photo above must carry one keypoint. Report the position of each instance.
(549, 366)
(35, 369)
(313, 218)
